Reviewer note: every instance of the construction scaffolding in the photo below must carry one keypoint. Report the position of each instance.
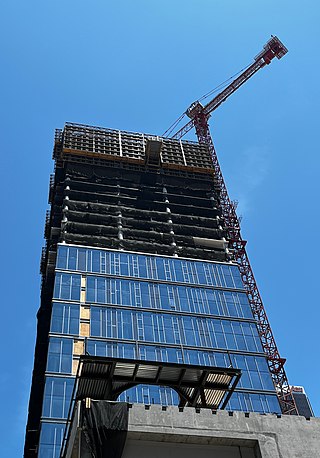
(98, 142)
(133, 204)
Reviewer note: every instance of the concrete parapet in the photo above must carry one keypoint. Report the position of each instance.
(219, 434)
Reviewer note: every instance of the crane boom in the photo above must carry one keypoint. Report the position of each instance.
(273, 48)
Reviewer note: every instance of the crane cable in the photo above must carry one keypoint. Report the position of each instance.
(172, 127)
(223, 84)
(205, 96)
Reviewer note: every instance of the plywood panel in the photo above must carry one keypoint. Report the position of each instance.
(78, 347)
(85, 329)
(85, 312)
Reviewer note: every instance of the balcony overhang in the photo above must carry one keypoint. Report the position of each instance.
(197, 386)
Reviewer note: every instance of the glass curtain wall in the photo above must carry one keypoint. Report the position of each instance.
(127, 305)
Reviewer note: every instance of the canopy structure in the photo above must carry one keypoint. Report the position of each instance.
(197, 386)
(103, 379)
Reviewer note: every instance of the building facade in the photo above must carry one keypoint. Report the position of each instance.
(302, 402)
(136, 265)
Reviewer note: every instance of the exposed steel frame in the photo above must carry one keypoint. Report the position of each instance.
(239, 255)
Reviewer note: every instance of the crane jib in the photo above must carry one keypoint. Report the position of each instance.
(273, 48)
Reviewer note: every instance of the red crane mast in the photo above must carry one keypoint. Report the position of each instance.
(199, 115)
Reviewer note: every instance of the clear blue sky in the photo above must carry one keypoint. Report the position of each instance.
(137, 65)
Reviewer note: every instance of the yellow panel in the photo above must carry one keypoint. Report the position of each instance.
(78, 347)
(75, 364)
(85, 312)
(83, 296)
(85, 329)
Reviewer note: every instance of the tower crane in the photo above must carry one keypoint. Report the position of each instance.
(199, 116)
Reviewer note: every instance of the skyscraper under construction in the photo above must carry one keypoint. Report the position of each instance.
(144, 262)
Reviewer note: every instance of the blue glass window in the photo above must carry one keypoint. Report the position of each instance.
(157, 353)
(72, 258)
(151, 267)
(67, 286)
(177, 321)
(65, 318)
(251, 402)
(62, 257)
(174, 329)
(57, 396)
(117, 324)
(149, 394)
(112, 349)
(255, 372)
(247, 402)
(51, 438)
(167, 297)
(207, 358)
(60, 355)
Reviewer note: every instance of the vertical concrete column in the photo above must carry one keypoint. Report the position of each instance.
(119, 219)
(84, 326)
(65, 209)
(169, 219)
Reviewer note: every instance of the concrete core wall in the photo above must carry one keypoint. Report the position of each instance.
(158, 433)
(154, 449)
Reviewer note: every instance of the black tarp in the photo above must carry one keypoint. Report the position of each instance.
(105, 426)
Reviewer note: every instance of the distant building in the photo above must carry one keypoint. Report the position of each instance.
(302, 401)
